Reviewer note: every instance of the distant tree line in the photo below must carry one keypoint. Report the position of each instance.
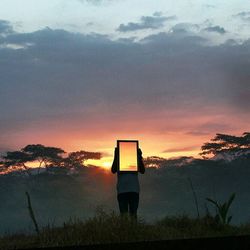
(223, 145)
(46, 157)
(227, 146)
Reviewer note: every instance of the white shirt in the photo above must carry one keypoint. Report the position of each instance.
(127, 182)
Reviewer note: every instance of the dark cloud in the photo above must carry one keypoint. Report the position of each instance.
(217, 29)
(146, 22)
(245, 15)
(185, 28)
(5, 27)
(181, 149)
(71, 82)
(209, 127)
(197, 133)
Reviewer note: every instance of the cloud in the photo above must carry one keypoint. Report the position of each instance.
(5, 27)
(208, 128)
(181, 149)
(185, 28)
(245, 15)
(146, 22)
(197, 133)
(81, 86)
(216, 29)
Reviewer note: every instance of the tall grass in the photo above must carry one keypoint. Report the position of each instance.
(108, 227)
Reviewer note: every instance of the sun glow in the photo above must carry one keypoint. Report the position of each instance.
(105, 163)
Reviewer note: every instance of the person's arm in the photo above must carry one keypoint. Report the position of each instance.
(141, 163)
(115, 162)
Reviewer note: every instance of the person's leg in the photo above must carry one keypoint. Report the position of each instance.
(123, 203)
(133, 204)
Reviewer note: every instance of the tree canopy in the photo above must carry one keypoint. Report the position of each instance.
(77, 159)
(227, 144)
(154, 161)
(46, 157)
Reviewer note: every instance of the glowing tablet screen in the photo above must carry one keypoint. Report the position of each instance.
(128, 155)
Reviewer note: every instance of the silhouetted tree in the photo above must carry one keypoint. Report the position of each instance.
(224, 144)
(179, 161)
(44, 155)
(16, 159)
(159, 162)
(47, 156)
(77, 159)
(154, 161)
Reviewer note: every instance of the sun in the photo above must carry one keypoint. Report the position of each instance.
(106, 165)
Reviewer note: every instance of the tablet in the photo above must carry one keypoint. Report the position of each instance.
(127, 155)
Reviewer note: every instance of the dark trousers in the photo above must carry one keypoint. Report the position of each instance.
(128, 202)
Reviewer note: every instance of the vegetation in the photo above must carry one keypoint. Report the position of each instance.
(108, 227)
(31, 213)
(228, 144)
(77, 159)
(222, 210)
(48, 157)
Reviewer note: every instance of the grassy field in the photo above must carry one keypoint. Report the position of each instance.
(108, 227)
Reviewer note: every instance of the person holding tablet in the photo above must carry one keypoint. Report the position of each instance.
(127, 163)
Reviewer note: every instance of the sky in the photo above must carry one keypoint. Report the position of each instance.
(82, 74)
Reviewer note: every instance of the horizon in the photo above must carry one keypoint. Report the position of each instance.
(105, 162)
(221, 147)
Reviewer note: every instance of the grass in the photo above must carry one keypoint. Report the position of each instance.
(108, 227)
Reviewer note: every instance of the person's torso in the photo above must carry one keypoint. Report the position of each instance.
(127, 182)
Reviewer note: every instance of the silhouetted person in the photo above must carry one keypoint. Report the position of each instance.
(128, 187)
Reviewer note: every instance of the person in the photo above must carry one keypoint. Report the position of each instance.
(128, 187)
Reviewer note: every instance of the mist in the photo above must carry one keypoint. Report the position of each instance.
(57, 195)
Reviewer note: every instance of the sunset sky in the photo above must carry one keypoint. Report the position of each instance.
(82, 74)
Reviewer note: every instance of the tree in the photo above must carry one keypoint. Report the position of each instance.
(154, 161)
(159, 162)
(77, 159)
(227, 145)
(49, 156)
(16, 159)
(36, 152)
